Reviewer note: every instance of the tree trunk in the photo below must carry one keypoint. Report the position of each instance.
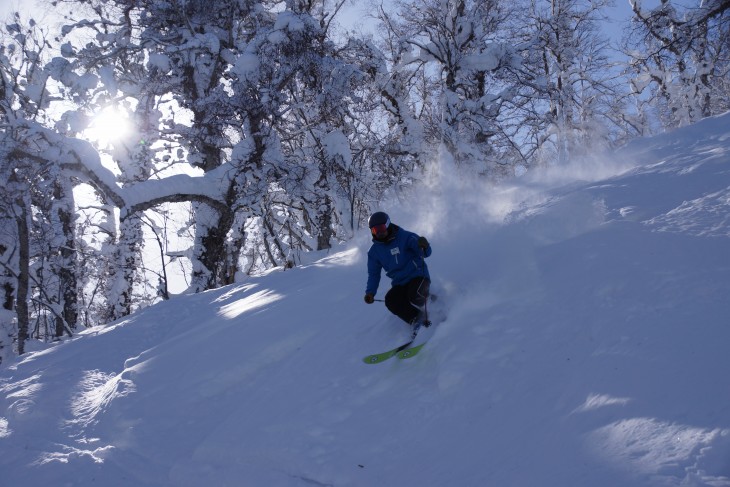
(324, 222)
(211, 250)
(8, 292)
(129, 266)
(21, 303)
(67, 270)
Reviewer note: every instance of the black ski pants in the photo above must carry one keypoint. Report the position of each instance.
(407, 301)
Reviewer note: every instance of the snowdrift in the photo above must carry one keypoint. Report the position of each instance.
(583, 341)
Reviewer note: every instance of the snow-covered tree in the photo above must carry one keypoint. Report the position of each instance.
(567, 94)
(162, 63)
(36, 193)
(447, 59)
(679, 61)
(500, 84)
(330, 147)
(246, 92)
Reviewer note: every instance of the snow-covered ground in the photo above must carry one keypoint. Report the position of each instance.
(585, 344)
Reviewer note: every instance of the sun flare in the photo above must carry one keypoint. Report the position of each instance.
(108, 126)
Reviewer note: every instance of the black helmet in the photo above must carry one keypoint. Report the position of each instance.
(379, 223)
(378, 218)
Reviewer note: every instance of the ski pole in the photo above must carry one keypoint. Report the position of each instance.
(425, 303)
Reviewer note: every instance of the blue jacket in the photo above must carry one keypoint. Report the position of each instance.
(400, 256)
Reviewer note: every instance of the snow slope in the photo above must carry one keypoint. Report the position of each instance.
(585, 344)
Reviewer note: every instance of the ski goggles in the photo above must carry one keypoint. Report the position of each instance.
(379, 230)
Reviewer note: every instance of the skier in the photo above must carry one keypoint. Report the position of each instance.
(402, 254)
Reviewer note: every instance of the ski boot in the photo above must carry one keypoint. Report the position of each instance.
(417, 324)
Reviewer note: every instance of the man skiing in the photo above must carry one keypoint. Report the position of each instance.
(402, 254)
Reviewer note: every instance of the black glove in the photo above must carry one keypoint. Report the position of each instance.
(423, 243)
(369, 298)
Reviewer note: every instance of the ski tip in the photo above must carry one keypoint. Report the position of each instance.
(378, 357)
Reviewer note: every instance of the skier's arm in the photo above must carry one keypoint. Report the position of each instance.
(374, 270)
(414, 244)
(425, 245)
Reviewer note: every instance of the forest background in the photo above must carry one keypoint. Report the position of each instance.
(153, 147)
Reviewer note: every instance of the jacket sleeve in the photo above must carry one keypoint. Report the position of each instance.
(374, 271)
(413, 245)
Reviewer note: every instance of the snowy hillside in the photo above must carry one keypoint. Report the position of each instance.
(585, 344)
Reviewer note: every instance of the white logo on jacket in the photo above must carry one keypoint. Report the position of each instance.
(395, 252)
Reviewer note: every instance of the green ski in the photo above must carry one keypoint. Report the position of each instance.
(406, 350)
(380, 357)
(410, 352)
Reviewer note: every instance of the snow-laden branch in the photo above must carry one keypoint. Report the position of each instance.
(82, 160)
(176, 189)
